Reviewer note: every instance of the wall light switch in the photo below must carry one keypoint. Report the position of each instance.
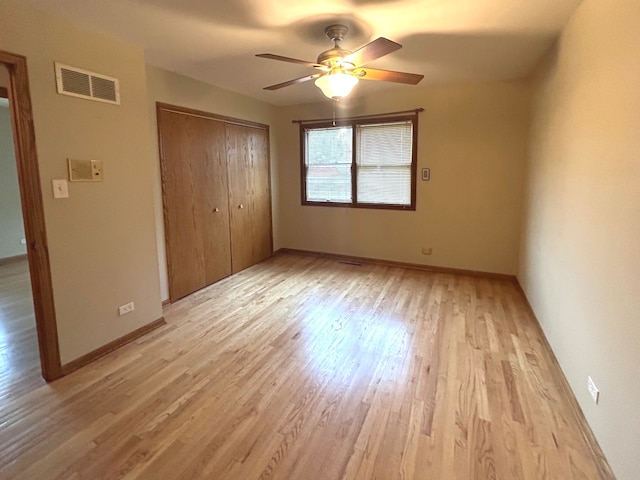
(593, 390)
(60, 188)
(96, 170)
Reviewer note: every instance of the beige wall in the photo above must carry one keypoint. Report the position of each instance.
(11, 226)
(102, 238)
(580, 260)
(471, 137)
(168, 87)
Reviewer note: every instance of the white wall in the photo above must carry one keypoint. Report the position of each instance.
(580, 257)
(102, 238)
(172, 88)
(473, 138)
(11, 226)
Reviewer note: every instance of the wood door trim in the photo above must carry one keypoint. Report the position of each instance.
(210, 116)
(269, 189)
(33, 213)
(163, 187)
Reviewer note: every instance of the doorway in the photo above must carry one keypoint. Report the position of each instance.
(15, 87)
(19, 360)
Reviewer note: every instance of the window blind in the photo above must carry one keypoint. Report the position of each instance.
(383, 161)
(328, 164)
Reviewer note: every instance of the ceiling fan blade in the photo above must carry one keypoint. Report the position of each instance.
(371, 51)
(387, 76)
(293, 82)
(272, 56)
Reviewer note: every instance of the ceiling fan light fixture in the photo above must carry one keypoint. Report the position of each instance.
(336, 85)
(341, 69)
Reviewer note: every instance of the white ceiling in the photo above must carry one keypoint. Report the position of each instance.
(216, 40)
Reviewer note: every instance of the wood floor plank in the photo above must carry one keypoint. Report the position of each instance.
(303, 368)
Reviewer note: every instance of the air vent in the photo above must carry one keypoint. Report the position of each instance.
(84, 84)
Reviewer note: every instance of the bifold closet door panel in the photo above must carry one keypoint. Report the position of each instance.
(260, 182)
(249, 195)
(196, 202)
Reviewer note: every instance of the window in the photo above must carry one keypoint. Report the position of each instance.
(366, 163)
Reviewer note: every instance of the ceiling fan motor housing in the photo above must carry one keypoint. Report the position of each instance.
(333, 57)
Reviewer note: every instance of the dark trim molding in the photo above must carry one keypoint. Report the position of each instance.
(211, 116)
(391, 263)
(353, 123)
(111, 346)
(359, 117)
(33, 213)
(601, 461)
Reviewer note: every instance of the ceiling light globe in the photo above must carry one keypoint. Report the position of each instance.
(336, 85)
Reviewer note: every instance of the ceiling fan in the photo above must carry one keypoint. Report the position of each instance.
(341, 69)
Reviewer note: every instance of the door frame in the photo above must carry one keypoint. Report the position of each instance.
(33, 213)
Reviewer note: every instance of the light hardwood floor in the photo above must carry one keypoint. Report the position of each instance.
(19, 358)
(307, 368)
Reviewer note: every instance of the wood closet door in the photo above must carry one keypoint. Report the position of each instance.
(249, 195)
(195, 195)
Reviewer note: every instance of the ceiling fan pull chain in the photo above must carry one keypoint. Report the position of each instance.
(334, 111)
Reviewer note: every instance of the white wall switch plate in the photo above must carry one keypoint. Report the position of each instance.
(60, 188)
(593, 389)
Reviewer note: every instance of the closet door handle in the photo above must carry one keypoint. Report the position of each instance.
(241, 206)
(216, 210)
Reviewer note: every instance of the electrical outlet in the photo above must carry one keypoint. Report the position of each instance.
(126, 308)
(593, 389)
(427, 250)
